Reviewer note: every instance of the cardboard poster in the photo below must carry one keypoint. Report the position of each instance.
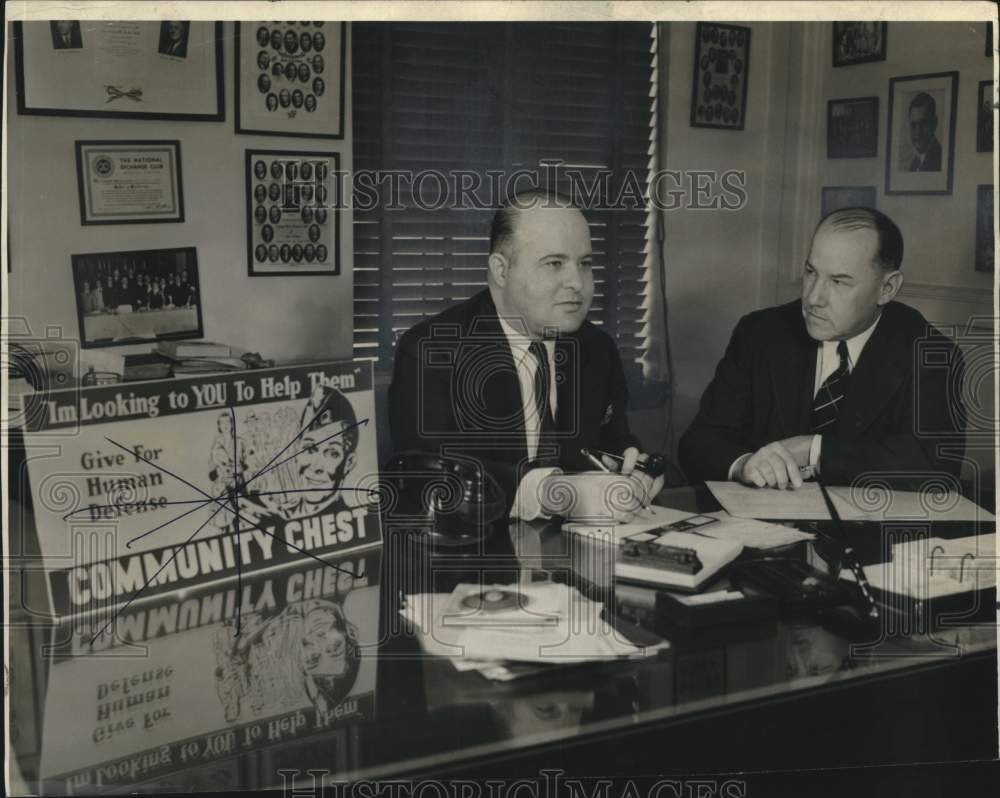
(178, 687)
(143, 488)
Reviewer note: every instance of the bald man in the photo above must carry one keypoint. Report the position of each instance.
(516, 377)
(840, 383)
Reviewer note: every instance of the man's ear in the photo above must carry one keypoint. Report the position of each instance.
(499, 265)
(349, 463)
(891, 284)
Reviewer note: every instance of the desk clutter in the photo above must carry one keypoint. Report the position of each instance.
(496, 629)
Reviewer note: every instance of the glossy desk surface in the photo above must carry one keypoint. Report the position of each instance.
(407, 713)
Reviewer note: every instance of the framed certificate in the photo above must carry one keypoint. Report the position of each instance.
(135, 70)
(290, 78)
(293, 212)
(129, 182)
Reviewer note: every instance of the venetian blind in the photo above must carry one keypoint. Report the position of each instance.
(445, 106)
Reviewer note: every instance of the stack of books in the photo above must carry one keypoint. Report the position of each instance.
(200, 357)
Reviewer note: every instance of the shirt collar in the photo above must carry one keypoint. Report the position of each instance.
(519, 341)
(854, 345)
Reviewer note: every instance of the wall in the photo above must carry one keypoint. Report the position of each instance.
(720, 265)
(287, 318)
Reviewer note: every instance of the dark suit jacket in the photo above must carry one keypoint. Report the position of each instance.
(455, 385)
(902, 400)
(932, 162)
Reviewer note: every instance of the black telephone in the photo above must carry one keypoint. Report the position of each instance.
(451, 500)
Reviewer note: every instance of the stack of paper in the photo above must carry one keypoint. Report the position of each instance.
(573, 630)
(875, 504)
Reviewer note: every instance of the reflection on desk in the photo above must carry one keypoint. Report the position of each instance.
(213, 710)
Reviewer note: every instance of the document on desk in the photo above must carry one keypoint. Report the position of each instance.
(865, 503)
(581, 635)
(930, 568)
(752, 533)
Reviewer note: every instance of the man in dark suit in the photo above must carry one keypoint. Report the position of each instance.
(66, 34)
(923, 130)
(840, 383)
(516, 378)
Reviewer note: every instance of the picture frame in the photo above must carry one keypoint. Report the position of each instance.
(985, 239)
(859, 42)
(984, 117)
(920, 158)
(129, 181)
(836, 197)
(852, 128)
(137, 296)
(120, 70)
(290, 79)
(720, 76)
(293, 213)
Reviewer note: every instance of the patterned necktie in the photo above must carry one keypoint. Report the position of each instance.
(826, 405)
(543, 379)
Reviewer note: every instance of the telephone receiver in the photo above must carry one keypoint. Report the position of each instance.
(450, 500)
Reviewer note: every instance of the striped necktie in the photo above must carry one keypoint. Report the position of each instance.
(543, 379)
(826, 405)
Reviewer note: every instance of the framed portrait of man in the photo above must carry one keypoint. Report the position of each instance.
(920, 146)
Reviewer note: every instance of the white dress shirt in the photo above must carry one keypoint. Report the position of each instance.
(526, 504)
(827, 362)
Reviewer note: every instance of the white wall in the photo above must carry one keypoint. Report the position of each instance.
(287, 318)
(721, 265)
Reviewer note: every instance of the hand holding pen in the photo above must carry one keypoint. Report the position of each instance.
(645, 469)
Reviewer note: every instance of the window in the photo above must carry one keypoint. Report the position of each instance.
(444, 103)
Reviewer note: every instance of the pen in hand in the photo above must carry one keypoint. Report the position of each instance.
(596, 461)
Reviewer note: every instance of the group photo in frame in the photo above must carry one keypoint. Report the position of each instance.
(289, 78)
(136, 296)
(859, 42)
(852, 128)
(920, 139)
(293, 212)
(721, 74)
(133, 69)
(129, 182)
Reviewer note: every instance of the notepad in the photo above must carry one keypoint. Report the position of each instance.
(863, 504)
(930, 568)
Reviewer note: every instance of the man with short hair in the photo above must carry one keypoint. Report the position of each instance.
(923, 129)
(516, 377)
(840, 383)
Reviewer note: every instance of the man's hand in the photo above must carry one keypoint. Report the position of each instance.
(776, 465)
(649, 488)
(592, 497)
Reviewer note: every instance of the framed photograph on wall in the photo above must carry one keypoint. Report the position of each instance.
(131, 297)
(290, 78)
(920, 148)
(837, 197)
(721, 73)
(852, 128)
(133, 70)
(293, 212)
(859, 42)
(129, 182)
(985, 240)
(984, 117)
